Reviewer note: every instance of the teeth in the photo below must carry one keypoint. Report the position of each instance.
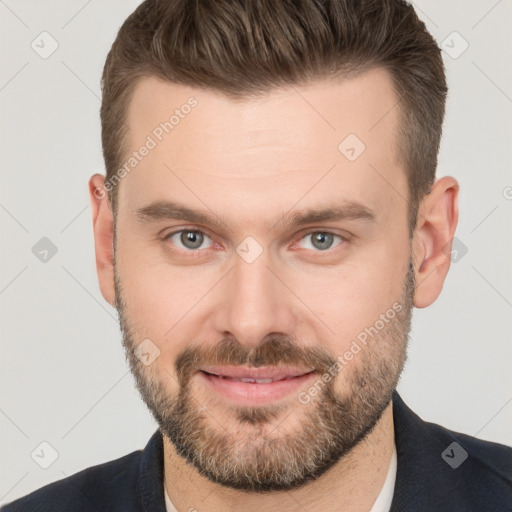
(244, 379)
(257, 381)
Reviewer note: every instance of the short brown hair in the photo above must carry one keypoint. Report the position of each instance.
(245, 47)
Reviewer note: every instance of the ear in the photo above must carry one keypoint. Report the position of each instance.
(103, 227)
(438, 214)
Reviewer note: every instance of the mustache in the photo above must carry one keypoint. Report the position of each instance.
(276, 350)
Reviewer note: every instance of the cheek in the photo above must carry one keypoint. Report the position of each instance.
(161, 299)
(146, 289)
(352, 297)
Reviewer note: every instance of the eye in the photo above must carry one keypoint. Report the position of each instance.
(190, 239)
(320, 240)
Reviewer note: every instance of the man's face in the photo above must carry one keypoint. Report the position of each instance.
(329, 298)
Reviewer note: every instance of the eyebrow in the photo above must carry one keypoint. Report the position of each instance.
(347, 211)
(169, 210)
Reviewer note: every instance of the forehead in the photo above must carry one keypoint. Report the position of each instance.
(336, 137)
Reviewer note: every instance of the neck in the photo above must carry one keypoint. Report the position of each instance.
(355, 480)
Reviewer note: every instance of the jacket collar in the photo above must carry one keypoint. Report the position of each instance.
(424, 481)
(150, 485)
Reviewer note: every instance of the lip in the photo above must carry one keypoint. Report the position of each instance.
(253, 393)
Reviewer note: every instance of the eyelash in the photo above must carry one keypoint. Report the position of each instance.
(196, 252)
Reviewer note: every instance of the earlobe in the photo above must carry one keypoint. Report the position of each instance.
(103, 228)
(437, 219)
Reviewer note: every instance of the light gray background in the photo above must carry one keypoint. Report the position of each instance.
(63, 375)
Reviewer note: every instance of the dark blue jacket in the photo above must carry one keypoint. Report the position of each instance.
(438, 471)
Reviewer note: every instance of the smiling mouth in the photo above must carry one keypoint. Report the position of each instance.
(251, 380)
(254, 386)
(260, 375)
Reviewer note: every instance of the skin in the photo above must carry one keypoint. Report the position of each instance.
(249, 162)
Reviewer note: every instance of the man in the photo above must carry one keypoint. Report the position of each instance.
(269, 218)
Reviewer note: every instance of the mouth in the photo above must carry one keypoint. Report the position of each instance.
(261, 375)
(254, 386)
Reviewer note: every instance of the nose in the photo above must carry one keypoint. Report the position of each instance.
(254, 303)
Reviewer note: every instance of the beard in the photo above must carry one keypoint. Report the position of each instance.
(255, 449)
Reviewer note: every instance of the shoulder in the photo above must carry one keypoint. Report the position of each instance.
(441, 469)
(108, 486)
(484, 466)
(490, 457)
(477, 472)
